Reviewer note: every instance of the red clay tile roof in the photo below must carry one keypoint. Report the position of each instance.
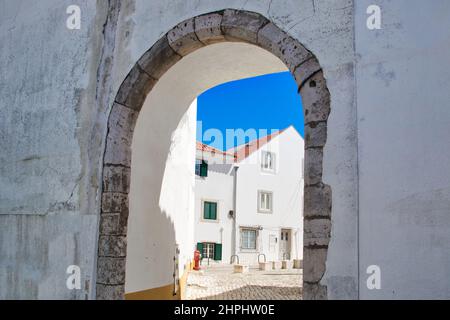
(243, 152)
(206, 148)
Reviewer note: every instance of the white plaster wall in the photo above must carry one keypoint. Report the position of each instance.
(49, 174)
(403, 136)
(287, 188)
(53, 129)
(161, 212)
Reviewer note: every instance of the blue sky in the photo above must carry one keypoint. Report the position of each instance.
(265, 102)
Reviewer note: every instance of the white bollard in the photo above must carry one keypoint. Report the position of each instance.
(276, 265)
(265, 266)
(240, 268)
(298, 263)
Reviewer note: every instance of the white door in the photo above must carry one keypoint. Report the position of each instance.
(285, 244)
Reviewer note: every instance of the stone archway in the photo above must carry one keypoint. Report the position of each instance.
(186, 37)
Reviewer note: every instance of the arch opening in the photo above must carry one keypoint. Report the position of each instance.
(146, 78)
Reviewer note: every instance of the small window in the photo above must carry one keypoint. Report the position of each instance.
(265, 201)
(248, 239)
(208, 250)
(209, 210)
(268, 161)
(201, 168)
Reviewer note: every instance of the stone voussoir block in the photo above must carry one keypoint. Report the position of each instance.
(314, 291)
(117, 152)
(112, 246)
(115, 212)
(314, 264)
(182, 38)
(290, 51)
(242, 25)
(121, 122)
(293, 53)
(270, 36)
(116, 179)
(111, 271)
(159, 58)
(114, 202)
(134, 89)
(317, 202)
(121, 127)
(111, 224)
(313, 166)
(208, 28)
(110, 292)
(305, 70)
(317, 232)
(315, 134)
(315, 98)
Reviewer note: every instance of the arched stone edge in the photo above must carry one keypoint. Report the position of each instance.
(186, 37)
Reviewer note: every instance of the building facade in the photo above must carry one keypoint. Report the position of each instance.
(249, 201)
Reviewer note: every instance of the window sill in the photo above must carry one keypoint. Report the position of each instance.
(268, 172)
(248, 251)
(210, 220)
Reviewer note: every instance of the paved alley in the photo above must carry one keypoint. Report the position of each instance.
(219, 282)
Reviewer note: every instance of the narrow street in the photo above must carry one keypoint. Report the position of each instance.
(219, 282)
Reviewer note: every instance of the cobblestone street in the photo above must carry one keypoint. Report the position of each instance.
(219, 282)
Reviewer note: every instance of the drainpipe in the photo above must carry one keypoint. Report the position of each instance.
(296, 243)
(233, 235)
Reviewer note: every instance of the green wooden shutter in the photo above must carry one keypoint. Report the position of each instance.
(205, 210)
(213, 211)
(200, 247)
(203, 169)
(217, 251)
(210, 210)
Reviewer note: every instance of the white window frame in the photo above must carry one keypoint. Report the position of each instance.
(264, 154)
(242, 230)
(260, 208)
(207, 245)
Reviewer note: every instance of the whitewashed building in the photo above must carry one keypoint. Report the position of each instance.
(249, 201)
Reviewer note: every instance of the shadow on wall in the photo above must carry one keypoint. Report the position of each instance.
(161, 243)
(161, 210)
